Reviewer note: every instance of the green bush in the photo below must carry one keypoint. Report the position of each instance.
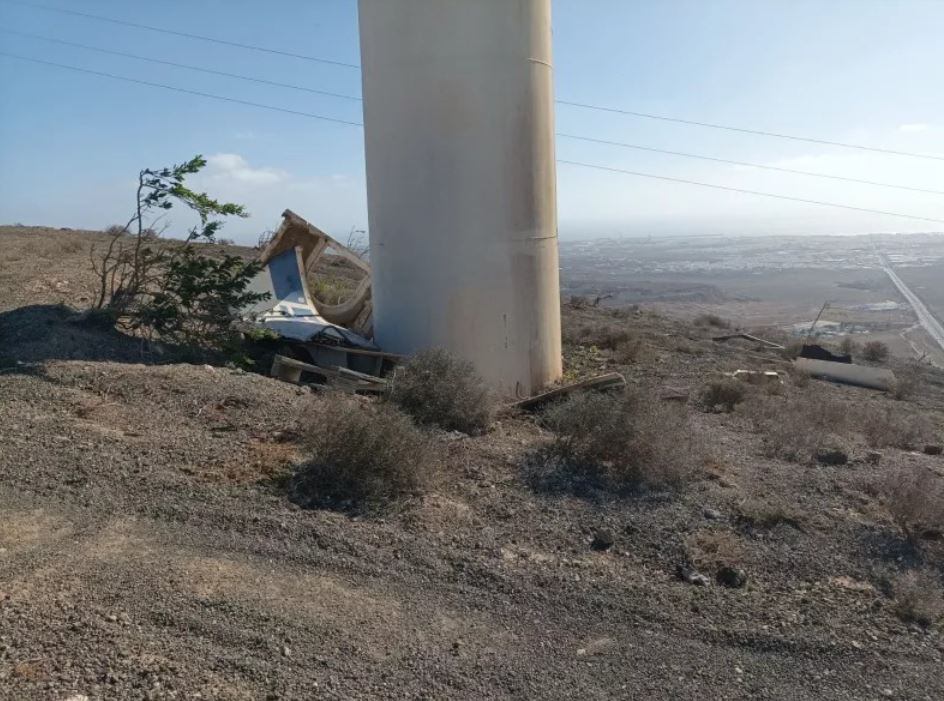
(438, 389)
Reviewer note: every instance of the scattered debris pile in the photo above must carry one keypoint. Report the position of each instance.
(323, 344)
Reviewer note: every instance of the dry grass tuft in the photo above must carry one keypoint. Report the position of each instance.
(713, 549)
(908, 381)
(603, 334)
(895, 428)
(711, 320)
(919, 598)
(797, 428)
(623, 440)
(629, 351)
(722, 395)
(768, 513)
(915, 499)
(362, 456)
(875, 352)
(438, 389)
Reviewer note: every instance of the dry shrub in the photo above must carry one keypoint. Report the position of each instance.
(894, 428)
(622, 440)
(915, 499)
(848, 346)
(908, 380)
(792, 350)
(578, 302)
(769, 512)
(603, 335)
(875, 352)
(362, 456)
(629, 351)
(712, 320)
(438, 389)
(919, 598)
(714, 549)
(722, 395)
(799, 378)
(797, 428)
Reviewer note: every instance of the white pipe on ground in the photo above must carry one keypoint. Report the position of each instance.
(461, 183)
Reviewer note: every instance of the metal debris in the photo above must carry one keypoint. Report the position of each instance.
(748, 337)
(331, 343)
(610, 381)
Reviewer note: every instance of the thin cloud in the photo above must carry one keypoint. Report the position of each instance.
(914, 128)
(233, 167)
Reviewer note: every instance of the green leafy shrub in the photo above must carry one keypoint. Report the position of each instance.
(169, 290)
(438, 389)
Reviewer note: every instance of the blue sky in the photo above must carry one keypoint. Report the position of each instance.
(861, 71)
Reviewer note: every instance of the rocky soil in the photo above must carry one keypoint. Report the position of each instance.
(148, 549)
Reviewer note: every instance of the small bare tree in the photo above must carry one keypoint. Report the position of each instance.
(166, 288)
(357, 242)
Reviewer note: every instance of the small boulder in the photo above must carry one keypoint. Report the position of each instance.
(873, 457)
(712, 514)
(602, 541)
(732, 577)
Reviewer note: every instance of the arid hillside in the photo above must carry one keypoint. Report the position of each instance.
(702, 537)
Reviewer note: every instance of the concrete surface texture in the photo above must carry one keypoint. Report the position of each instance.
(458, 108)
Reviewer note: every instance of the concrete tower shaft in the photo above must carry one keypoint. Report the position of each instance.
(461, 183)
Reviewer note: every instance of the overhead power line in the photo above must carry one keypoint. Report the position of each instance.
(189, 67)
(354, 98)
(778, 169)
(183, 90)
(742, 130)
(358, 124)
(749, 192)
(200, 37)
(569, 103)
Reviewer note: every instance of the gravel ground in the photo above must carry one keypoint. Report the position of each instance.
(148, 550)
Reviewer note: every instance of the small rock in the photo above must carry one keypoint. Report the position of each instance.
(732, 577)
(873, 457)
(933, 449)
(286, 651)
(832, 456)
(690, 576)
(602, 540)
(712, 514)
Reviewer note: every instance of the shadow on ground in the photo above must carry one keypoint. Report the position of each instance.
(35, 334)
(548, 475)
